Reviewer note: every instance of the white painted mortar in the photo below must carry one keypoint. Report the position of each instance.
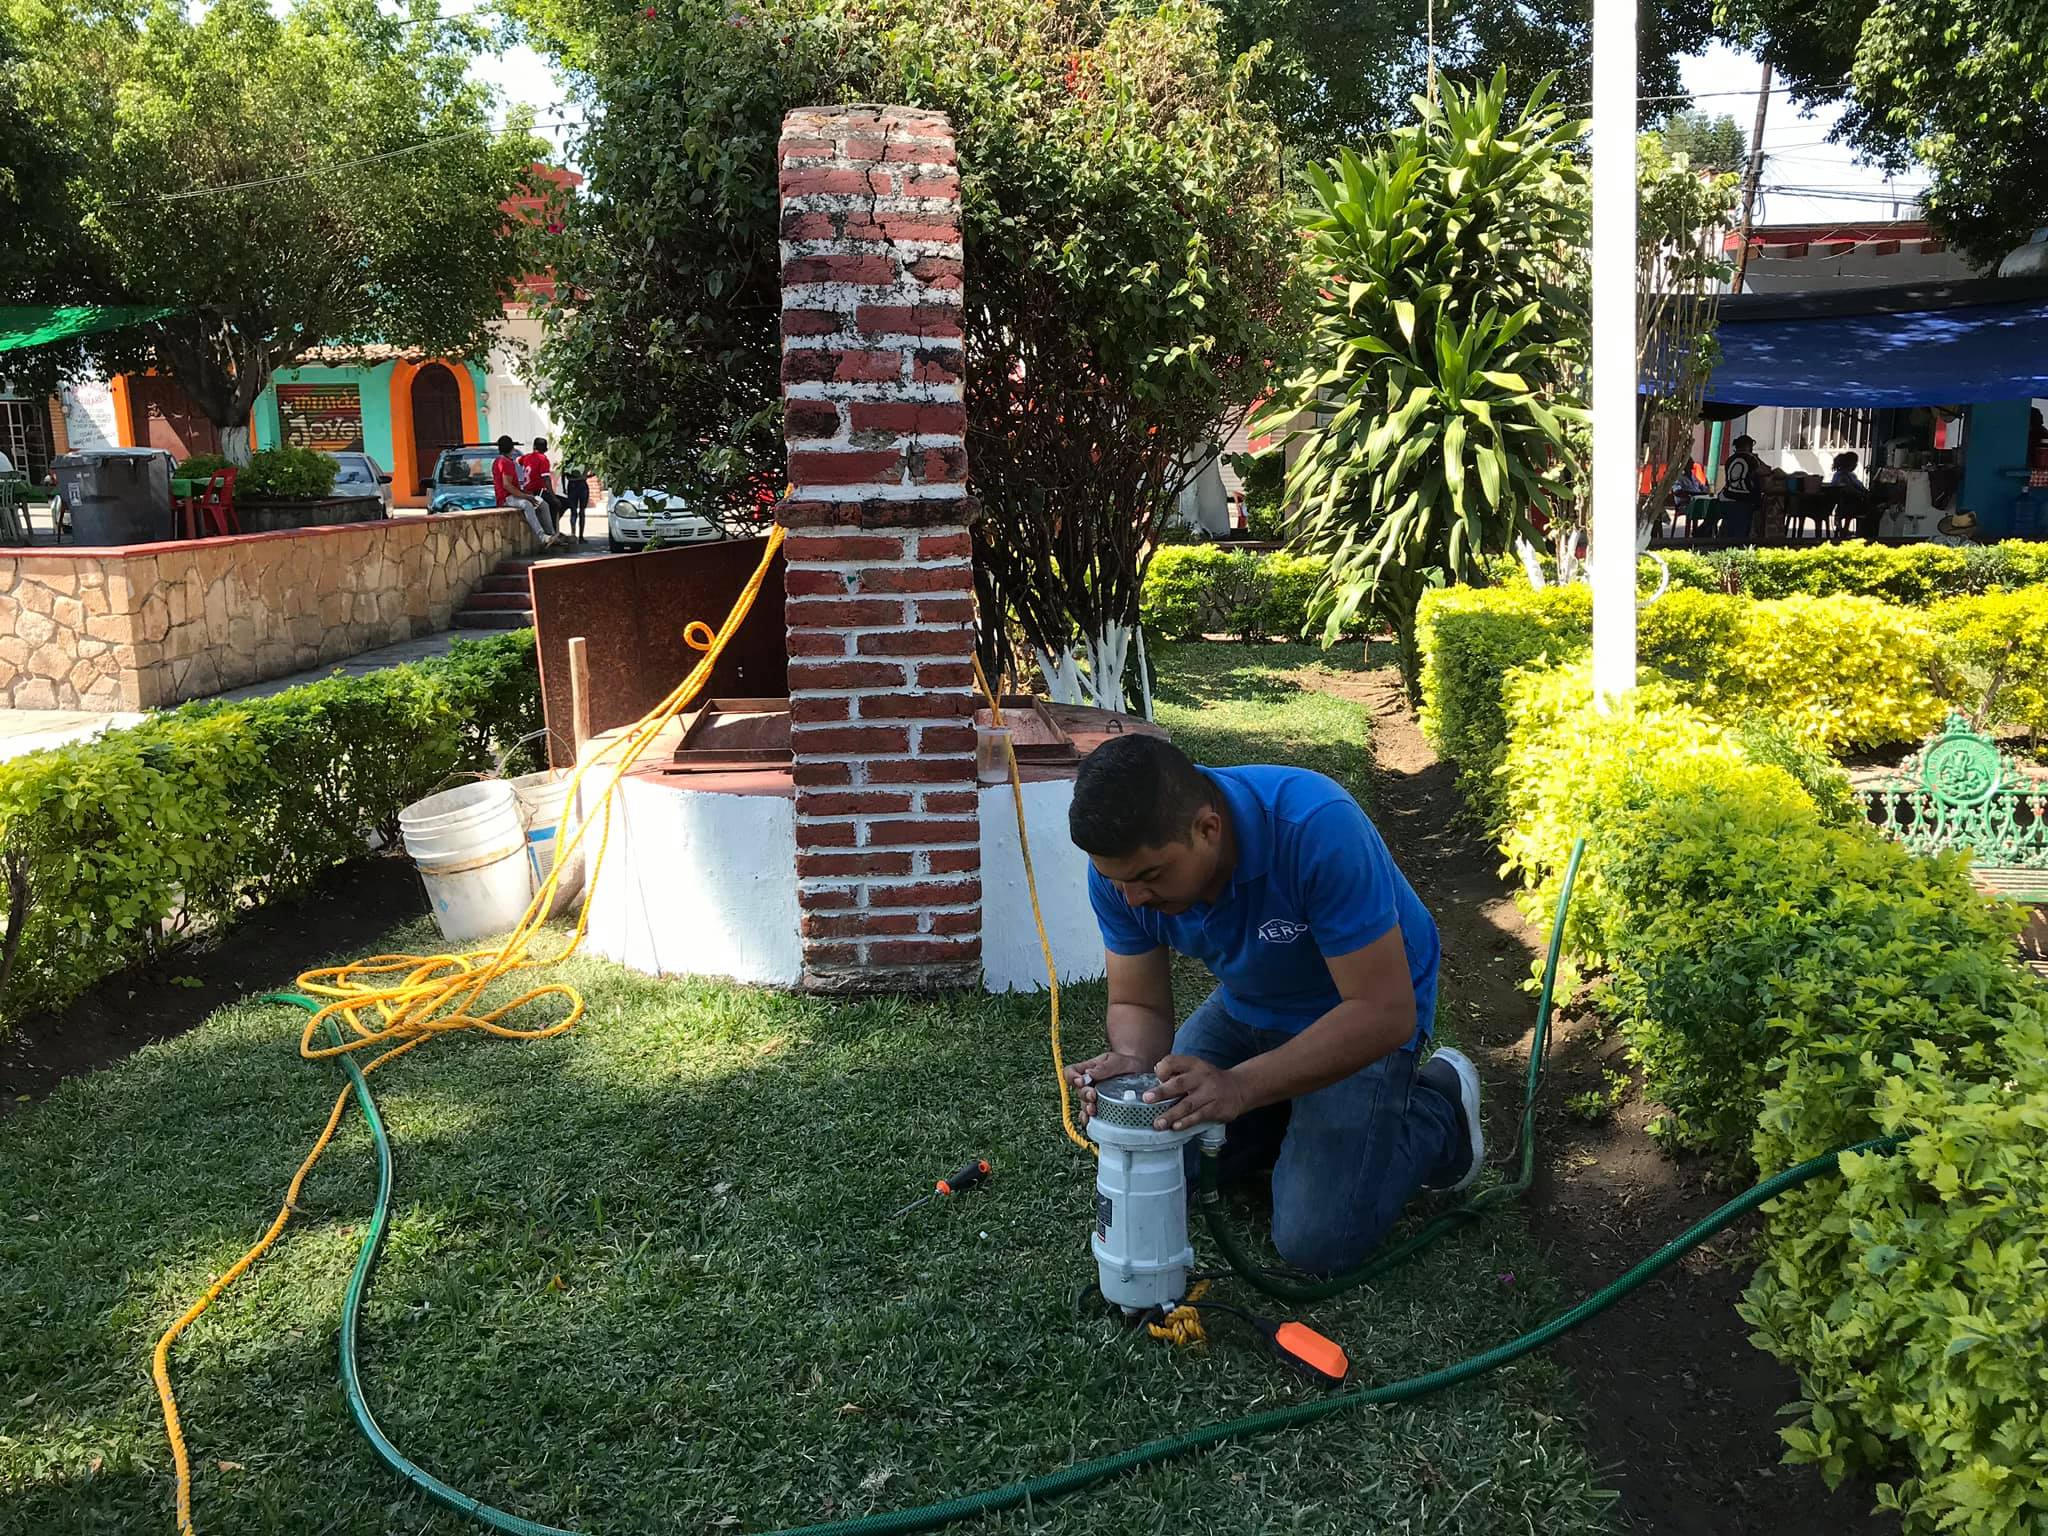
(1010, 957)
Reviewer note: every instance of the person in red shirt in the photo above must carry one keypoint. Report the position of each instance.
(510, 492)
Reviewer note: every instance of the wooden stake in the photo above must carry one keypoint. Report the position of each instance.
(579, 696)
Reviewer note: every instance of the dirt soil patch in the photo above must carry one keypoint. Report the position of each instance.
(1682, 1410)
(340, 918)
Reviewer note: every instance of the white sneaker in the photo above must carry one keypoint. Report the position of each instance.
(1451, 1073)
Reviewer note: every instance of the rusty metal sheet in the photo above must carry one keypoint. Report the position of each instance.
(631, 611)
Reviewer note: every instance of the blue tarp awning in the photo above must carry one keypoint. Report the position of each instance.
(1921, 344)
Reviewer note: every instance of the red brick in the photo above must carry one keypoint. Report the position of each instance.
(926, 151)
(858, 925)
(915, 706)
(831, 740)
(922, 770)
(953, 861)
(916, 642)
(862, 268)
(926, 893)
(816, 642)
(827, 957)
(822, 468)
(826, 866)
(827, 834)
(812, 322)
(937, 368)
(891, 228)
(936, 184)
(837, 548)
(955, 922)
(908, 417)
(828, 900)
(828, 775)
(942, 466)
(794, 147)
(809, 419)
(941, 546)
(844, 674)
(861, 149)
(801, 582)
(922, 952)
(822, 181)
(946, 738)
(945, 610)
(845, 612)
(853, 802)
(908, 319)
(816, 365)
(916, 579)
(945, 674)
(819, 709)
(938, 271)
(949, 802)
(920, 832)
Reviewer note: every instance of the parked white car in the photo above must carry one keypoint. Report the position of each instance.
(360, 475)
(637, 518)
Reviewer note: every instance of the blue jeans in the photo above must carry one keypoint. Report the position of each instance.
(1350, 1156)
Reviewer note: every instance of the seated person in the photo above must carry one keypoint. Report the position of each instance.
(1313, 1051)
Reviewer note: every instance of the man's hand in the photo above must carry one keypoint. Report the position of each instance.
(1084, 1075)
(1206, 1092)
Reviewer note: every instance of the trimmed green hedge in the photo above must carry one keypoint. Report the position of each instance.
(1840, 673)
(1790, 983)
(135, 840)
(1913, 574)
(1192, 590)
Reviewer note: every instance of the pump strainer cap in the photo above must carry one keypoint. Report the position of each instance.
(1121, 1100)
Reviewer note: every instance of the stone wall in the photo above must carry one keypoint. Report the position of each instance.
(880, 583)
(148, 625)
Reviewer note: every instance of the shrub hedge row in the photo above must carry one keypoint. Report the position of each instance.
(1192, 590)
(1915, 574)
(1790, 983)
(133, 841)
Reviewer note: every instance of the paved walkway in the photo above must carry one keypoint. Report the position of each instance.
(31, 730)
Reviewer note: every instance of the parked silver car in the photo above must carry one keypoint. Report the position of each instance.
(637, 518)
(360, 475)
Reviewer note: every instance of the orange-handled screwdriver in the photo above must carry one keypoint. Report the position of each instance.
(966, 1177)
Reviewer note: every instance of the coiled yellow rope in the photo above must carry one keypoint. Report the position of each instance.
(1183, 1325)
(415, 997)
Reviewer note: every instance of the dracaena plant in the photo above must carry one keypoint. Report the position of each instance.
(1440, 410)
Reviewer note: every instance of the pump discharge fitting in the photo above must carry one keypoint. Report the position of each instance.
(1142, 1253)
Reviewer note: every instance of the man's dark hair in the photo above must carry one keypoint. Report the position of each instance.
(540, 445)
(1136, 792)
(506, 445)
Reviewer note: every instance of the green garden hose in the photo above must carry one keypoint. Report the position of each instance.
(926, 1517)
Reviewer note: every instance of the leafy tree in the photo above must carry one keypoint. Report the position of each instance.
(1962, 89)
(1707, 143)
(1130, 269)
(325, 176)
(1337, 74)
(1450, 339)
(40, 251)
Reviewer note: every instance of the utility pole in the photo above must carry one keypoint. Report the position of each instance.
(1614, 347)
(1754, 175)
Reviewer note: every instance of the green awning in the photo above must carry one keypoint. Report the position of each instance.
(37, 325)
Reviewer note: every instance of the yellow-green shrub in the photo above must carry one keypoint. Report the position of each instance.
(1996, 650)
(1196, 589)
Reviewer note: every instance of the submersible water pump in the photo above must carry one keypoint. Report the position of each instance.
(1142, 1254)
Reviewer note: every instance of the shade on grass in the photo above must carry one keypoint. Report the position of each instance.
(639, 1281)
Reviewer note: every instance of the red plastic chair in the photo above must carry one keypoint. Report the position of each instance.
(213, 505)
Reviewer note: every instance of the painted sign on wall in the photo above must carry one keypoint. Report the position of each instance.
(327, 417)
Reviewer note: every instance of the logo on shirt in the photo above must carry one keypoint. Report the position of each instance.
(1279, 930)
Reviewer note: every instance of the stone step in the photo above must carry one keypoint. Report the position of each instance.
(493, 618)
(499, 601)
(515, 582)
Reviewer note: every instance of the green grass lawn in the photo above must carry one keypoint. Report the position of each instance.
(639, 1278)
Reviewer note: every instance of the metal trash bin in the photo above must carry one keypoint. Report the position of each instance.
(116, 495)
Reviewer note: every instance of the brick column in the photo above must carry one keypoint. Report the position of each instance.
(880, 578)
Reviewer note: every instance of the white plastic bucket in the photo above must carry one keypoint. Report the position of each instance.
(470, 848)
(541, 798)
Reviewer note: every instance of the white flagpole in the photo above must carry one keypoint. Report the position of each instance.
(1614, 347)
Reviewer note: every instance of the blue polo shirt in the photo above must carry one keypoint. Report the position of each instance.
(1313, 878)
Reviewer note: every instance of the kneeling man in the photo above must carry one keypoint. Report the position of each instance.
(1312, 1050)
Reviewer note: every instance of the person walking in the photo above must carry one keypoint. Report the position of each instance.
(576, 487)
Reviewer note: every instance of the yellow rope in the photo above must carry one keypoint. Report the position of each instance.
(1052, 971)
(1183, 1325)
(417, 997)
